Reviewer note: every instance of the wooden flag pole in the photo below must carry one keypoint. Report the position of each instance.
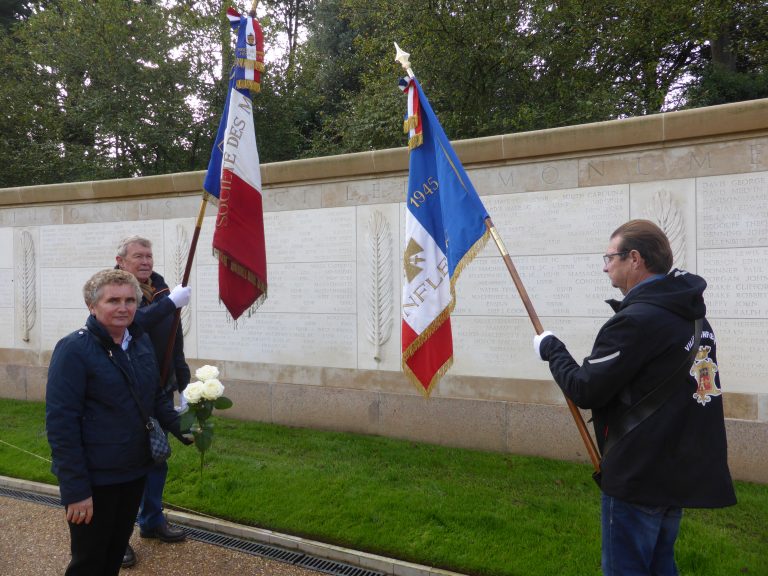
(590, 445)
(185, 280)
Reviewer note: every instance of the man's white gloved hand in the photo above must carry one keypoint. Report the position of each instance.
(538, 339)
(181, 295)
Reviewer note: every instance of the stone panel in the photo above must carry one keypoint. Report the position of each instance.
(94, 245)
(741, 346)
(675, 162)
(32, 216)
(571, 221)
(552, 175)
(737, 281)
(328, 408)
(7, 320)
(732, 211)
(445, 421)
(671, 204)
(361, 192)
(747, 456)
(310, 339)
(252, 400)
(548, 431)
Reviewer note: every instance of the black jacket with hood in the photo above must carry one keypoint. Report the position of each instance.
(678, 455)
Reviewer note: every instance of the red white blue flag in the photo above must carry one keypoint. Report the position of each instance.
(234, 178)
(444, 230)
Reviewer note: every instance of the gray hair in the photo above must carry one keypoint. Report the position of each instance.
(122, 248)
(95, 284)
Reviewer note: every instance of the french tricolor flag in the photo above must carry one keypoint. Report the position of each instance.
(444, 230)
(234, 177)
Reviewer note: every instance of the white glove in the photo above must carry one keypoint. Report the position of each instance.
(538, 339)
(181, 295)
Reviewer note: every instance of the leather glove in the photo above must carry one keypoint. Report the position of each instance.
(181, 295)
(537, 340)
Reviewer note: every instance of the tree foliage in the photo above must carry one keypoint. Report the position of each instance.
(116, 88)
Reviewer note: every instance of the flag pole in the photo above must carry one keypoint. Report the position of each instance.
(185, 280)
(578, 419)
(403, 58)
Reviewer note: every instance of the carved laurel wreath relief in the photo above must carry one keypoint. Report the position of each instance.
(378, 294)
(663, 210)
(180, 255)
(27, 275)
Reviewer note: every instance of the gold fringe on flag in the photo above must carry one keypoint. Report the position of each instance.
(410, 123)
(441, 318)
(250, 64)
(251, 85)
(415, 141)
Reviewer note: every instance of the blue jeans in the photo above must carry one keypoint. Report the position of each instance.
(151, 510)
(639, 540)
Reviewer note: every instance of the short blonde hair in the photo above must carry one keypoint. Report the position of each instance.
(95, 284)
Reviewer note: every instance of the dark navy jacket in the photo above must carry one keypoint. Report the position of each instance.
(678, 455)
(156, 318)
(96, 432)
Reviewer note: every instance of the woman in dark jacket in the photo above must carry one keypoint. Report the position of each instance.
(96, 430)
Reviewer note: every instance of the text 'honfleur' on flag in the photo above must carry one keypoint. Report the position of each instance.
(234, 178)
(445, 228)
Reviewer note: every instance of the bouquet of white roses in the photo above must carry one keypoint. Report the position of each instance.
(202, 397)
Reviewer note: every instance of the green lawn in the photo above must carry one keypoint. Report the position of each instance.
(469, 511)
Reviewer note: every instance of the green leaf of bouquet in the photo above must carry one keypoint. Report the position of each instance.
(222, 403)
(203, 440)
(187, 420)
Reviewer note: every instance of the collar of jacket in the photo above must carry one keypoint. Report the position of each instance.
(95, 328)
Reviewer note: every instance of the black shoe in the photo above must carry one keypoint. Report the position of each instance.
(129, 558)
(165, 532)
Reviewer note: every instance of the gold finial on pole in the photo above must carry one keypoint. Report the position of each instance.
(253, 8)
(403, 57)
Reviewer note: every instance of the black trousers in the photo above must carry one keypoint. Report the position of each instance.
(98, 547)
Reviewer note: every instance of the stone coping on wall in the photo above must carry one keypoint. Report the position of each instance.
(740, 119)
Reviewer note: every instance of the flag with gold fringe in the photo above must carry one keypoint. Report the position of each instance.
(234, 178)
(445, 229)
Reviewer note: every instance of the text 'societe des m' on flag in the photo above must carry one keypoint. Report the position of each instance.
(444, 230)
(234, 178)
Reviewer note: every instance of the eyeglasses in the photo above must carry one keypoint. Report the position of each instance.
(608, 257)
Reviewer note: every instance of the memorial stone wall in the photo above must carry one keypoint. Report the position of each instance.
(324, 350)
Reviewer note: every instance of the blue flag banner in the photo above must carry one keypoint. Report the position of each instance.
(445, 230)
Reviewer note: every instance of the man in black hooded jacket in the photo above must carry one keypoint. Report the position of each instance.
(675, 455)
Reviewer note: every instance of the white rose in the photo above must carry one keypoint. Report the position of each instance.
(193, 392)
(212, 389)
(207, 373)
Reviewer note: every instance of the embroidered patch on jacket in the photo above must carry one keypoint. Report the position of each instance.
(704, 370)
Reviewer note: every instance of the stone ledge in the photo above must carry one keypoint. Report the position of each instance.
(731, 120)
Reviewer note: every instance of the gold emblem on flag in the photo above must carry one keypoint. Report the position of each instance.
(704, 370)
(411, 260)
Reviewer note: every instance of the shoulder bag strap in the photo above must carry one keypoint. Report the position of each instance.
(652, 401)
(148, 423)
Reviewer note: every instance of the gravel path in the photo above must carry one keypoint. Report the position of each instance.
(34, 541)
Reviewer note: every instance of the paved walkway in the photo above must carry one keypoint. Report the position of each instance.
(34, 541)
